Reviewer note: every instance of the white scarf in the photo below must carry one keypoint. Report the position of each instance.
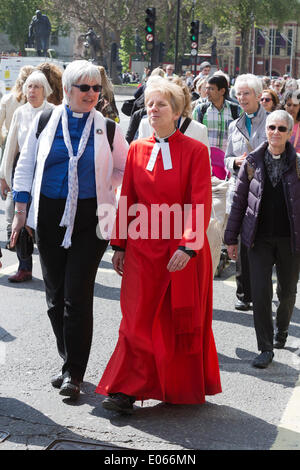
(73, 187)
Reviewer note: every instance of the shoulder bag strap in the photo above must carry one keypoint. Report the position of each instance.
(185, 125)
(110, 130)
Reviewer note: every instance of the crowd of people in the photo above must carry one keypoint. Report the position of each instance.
(206, 167)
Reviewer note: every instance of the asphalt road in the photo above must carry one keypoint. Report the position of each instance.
(258, 409)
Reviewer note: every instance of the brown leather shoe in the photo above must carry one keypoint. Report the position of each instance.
(21, 276)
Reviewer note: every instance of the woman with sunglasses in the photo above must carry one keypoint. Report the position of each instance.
(73, 176)
(269, 100)
(265, 211)
(291, 104)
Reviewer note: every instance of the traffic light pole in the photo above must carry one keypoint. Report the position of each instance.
(177, 37)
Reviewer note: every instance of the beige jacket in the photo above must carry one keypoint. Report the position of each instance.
(19, 128)
(8, 105)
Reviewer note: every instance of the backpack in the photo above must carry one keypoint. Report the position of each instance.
(46, 114)
(233, 108)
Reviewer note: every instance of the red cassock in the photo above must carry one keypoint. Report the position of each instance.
(166, 349)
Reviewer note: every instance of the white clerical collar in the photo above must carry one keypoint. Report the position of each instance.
(77, 115)
(276, 157)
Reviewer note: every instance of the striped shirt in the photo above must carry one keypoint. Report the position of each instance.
(217, 123)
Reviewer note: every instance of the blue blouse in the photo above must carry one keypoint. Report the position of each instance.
(55, 177)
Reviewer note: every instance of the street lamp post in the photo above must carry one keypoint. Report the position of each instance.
(177, 36)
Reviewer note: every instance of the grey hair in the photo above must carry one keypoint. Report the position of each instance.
(282, 115)
(250, 80)
(77, 70)
(38, 78)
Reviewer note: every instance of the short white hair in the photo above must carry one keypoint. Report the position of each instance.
(37, 78)
(281, 115)
(77, 70)
(251, 81)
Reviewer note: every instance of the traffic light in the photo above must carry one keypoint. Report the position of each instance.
(194, 34)
(150, 28)
(161, 52)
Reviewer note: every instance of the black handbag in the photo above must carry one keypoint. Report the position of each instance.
(24, 244)
(127, 107)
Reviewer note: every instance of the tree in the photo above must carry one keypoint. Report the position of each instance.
(108, 18)
(243, 14)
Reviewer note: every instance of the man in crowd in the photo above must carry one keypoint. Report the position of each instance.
(169, 71)
(217, 113)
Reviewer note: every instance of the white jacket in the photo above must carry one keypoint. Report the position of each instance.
(109, 166)
(195, 129)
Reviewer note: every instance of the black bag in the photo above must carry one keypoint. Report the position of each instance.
(127, 107)
(24, 244)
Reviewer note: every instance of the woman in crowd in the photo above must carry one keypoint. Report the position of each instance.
(9, 103)
(185, 123)
(265, 210)
(54, 76)
(166, 349)
(269, 100)
(291, 104)
(278, 87)
(136, 117)
(36, 89)
(76, 176)
(106, 104)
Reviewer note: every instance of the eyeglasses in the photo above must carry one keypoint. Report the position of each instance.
(84, 88)
(273, 128)
(267, 100)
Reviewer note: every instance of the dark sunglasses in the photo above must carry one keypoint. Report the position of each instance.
(267, 100)
(271, 127)
(84, 88)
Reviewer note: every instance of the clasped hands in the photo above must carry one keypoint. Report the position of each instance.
(178, 261)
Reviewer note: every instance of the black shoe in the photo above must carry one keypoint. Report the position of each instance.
(70, 387)
(57, 380)
(263, 359)
(244, 306)
(119, 402)
(280, 339)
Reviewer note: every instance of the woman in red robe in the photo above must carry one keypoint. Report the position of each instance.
(166, 349)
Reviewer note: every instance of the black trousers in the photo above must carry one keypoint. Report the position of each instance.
(242, 275)
(266, 253)
(69, 276)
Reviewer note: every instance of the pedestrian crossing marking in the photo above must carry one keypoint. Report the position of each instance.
(230, 281)
(288, 437)
(11, 269)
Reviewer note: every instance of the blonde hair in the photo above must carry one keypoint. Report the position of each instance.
(172, 92)
(107, 87)
(158, 71)
(187, 110)
(22, 77)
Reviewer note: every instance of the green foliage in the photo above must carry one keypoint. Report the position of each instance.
(127, 47)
